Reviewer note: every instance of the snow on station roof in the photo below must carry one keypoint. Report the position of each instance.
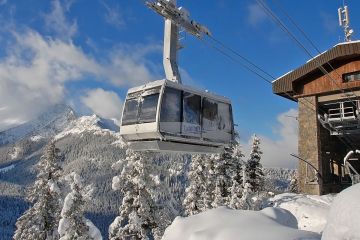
(284, 85)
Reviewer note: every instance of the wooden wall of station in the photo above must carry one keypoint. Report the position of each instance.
(332, 83)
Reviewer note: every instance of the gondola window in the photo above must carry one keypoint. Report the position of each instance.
(148, 108)
(171, 106)
(130, 111)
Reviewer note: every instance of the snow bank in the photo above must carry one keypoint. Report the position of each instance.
(6, 169)
(36, 138)
(15, 153)
(223, 223)
(310, 211)
(94, 232)
(344, 216)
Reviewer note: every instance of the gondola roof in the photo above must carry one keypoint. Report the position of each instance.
(179, 86)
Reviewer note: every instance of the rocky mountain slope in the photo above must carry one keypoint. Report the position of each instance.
(89, 147)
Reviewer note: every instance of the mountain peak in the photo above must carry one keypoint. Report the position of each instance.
(47, 124)
(92, 123)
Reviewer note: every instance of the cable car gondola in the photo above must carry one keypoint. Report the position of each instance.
(171, 117)
(166, 116)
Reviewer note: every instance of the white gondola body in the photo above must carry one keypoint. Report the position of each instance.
(165, 116)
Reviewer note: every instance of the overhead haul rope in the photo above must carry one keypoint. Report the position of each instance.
(257, 67)
(308, 39)
(297, 26)
(247, 67)
(273, 16)
(224, 46)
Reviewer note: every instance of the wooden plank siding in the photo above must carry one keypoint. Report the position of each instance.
(339, 55)
(332, 82)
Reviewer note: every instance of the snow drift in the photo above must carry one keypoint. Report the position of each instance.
(344, 216)
(310, 211)
(224, 223)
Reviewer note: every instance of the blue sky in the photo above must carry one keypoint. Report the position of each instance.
(88, 52)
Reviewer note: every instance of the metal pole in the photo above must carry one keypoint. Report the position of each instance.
(171, 42)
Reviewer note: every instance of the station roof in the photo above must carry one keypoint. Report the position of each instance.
(284, 85)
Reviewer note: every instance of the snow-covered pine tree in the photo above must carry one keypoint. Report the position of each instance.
(208, 195)
(164, 168)
(224, 167)
(41, 220)
(294, 184)
(73, 224)
(236, 190)
(193, 202)
(136, 219)
(254, 172)
(245, 201)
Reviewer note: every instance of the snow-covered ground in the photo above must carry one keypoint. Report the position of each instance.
(310, 211)
(36, 138)
(15, 153)
(8, 168)
(344, 216)
(223, 223)
(292, 216)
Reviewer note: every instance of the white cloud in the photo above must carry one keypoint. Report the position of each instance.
(129, 65)
(33, 73)
(35, 70)
(113, 16)
(256, 14)
(57, 22)
(3, 2)
(106, 104)
(276, 152)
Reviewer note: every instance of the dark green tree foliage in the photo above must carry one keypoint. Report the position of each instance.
(41, 220)
(223, 170)
(254, 171)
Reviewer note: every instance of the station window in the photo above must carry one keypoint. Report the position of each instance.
(351, 77)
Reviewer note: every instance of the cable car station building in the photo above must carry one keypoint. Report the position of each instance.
(327, 89)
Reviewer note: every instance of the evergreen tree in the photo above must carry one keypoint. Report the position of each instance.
(73, 224)
(136, 218)
(208, 195)
(162, 168)
(254, 172)
(41, 220)
(237, 177)
(294, 184)
(245, 201)
(224, 169)
(193, 202)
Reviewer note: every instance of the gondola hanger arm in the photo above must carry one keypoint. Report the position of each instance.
(175, 18)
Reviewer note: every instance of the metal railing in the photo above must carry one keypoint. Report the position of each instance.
(343, 113)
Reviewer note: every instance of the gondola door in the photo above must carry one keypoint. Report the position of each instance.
(191, 117)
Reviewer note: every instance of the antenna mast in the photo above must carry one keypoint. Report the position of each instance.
(344, 22)
(175, 18)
